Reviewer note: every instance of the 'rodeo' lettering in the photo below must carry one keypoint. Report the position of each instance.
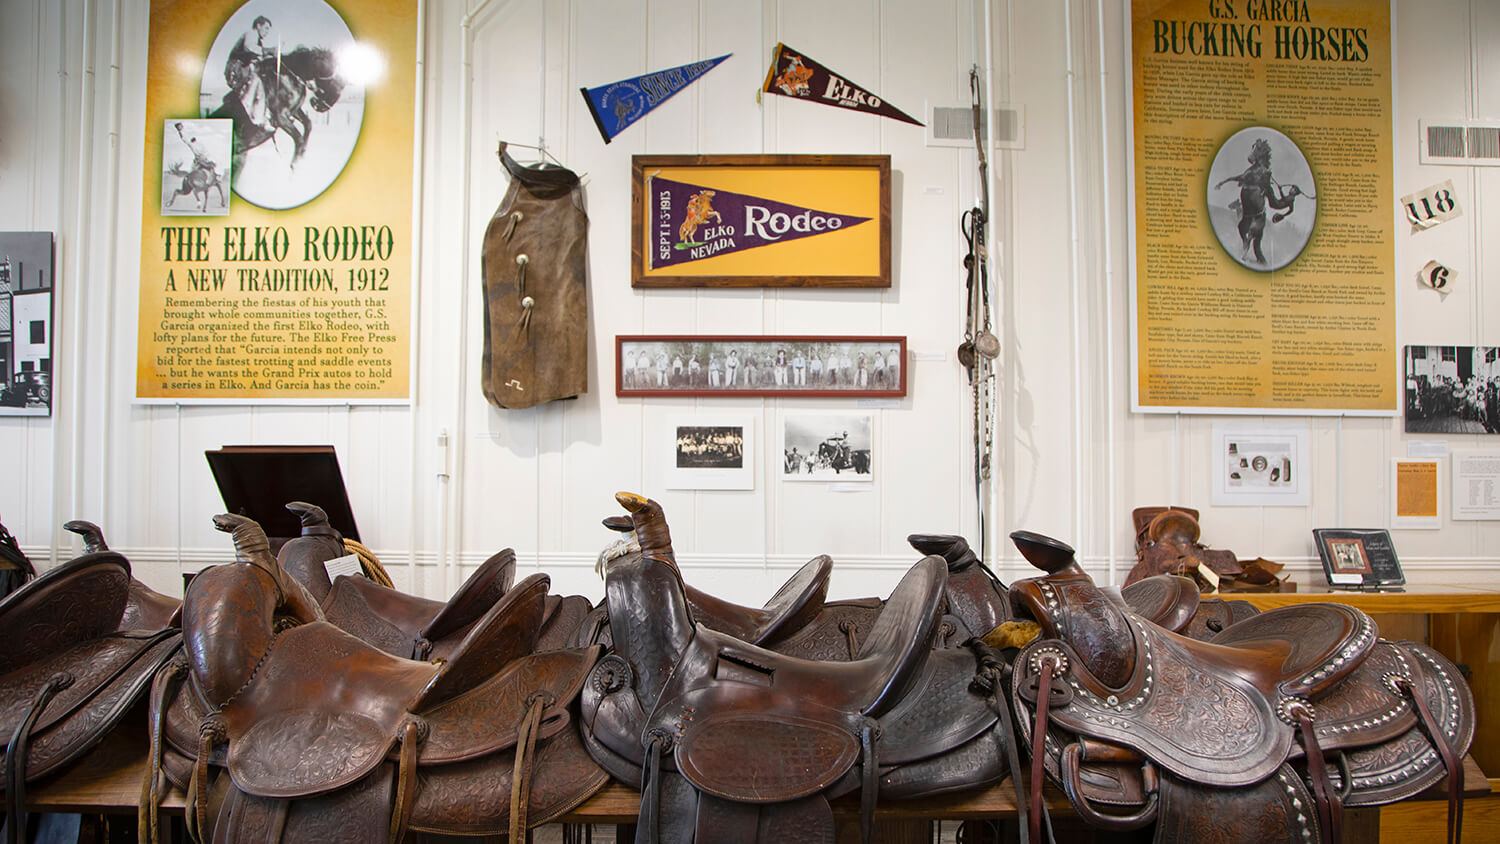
(758, 219)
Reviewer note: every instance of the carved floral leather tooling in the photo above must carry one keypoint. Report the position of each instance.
(320, 733)
(1264, 734)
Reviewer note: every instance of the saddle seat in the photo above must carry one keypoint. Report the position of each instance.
(397, 623)
(145, 608)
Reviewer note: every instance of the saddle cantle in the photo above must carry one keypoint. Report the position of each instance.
(67, 672)
(397, 623)
(145, 608)
(1167, 543)
(304, 716)
(728, 738)
(1141, 725)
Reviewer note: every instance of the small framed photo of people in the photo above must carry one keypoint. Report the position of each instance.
(757, 365)
(1452, 390)
(828, 447)
(711, 452)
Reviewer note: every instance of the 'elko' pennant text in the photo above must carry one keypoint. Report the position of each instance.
(619, 104)
(693, 222)
(793, 74)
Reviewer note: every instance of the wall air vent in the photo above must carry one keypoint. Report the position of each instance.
(1475, 143)
(953, 126)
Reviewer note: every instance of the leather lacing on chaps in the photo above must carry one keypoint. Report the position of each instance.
(16, 752)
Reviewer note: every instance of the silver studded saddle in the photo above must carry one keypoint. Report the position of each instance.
(1262, 734)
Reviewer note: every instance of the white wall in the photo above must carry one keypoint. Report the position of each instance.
(1072, 460)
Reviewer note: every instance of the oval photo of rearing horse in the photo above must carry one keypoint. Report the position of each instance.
(291, 77)
(1261, 198)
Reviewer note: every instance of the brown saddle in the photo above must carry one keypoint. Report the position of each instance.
(732, 741)
(321, 732)
(1175, 603)
(145, 608)
(68, 674)
(1167, 543)
(397, 623)
(1139, 724)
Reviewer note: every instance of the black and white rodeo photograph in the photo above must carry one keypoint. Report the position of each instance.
(291, 77)
(195, 157)
(711, 451)
(827, 447)
(1452, 390)
(1261, 198)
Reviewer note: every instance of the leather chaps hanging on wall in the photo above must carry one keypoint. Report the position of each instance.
(534, 271)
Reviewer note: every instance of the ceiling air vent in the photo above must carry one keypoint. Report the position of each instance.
(1459, 142)
(953, 126)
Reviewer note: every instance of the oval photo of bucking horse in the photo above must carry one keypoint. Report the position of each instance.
(292, 78)
(1262, 202)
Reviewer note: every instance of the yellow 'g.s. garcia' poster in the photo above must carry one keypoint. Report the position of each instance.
(276, 218)
(1262, 206)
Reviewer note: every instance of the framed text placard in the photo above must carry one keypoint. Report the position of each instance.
(757, 365)
(276, 216)
(760, 221)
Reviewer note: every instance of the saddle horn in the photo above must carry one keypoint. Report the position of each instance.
(93, 536)
(650, 525)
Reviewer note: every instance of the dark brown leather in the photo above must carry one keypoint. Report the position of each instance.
(397, 623)
(679, 704)
(310, 714)
(536, 306)
(67, 673)
(1206, 720)
(145, 608)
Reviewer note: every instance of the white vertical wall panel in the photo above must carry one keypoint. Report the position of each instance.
(540, 480)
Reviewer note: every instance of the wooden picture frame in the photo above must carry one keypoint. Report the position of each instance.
(1358, 558)
(760, 221)
(759, 365)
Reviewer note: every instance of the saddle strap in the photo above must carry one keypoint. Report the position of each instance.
(520, 778)
(163, 691)
(16, 752)
(1330, 807)
(870, 785)
(650, 813)
(406, 780)
(210, 732)
(1039, 749)
(989, 683)
(1445, 751)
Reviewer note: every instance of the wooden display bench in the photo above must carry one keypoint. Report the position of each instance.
(108, 782)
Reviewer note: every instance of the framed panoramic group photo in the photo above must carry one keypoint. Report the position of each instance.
(760, 221)
(755, 365)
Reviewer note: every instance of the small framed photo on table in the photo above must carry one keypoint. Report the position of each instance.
(1354, 558)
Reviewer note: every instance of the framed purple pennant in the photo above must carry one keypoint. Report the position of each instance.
(795, 74)
(761, 221)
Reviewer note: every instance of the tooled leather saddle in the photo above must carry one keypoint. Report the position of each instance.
(145, 608)
(1262, 734)
(322, 736)
(68, 672)
(730, 741)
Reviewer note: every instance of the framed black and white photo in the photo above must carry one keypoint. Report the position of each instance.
(26, 288)
(1452, 390)
(759, 365)
(711, 452)
(828, 447)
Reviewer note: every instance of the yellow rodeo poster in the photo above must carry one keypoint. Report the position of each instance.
(276, 228)
(1262, 207)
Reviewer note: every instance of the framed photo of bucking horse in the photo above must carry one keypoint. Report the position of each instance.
(759, 365)
(760, 221)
